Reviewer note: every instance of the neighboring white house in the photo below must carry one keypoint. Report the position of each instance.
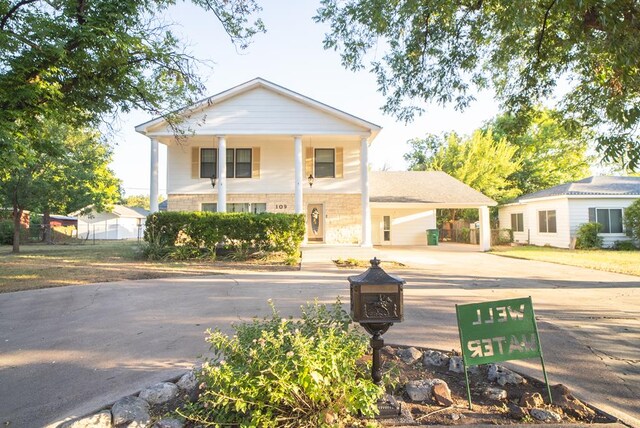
(553, 216)
(121, 223)
(272, 149)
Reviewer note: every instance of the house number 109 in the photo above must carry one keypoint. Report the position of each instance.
(281, 207)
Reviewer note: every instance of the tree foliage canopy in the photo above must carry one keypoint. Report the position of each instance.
(83, 59)
(549, 149)
(480, 161)
(70, 174)
(444, 51)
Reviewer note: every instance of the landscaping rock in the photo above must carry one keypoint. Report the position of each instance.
(422, 390)
(531, 400)
(188, 381)
(516, 412)
(455, 365)
(544, 415)
(503, 375)
(418, 390)
(159, 393)
(569, 404)
(442, 394)
(130, 410)
(493, 393)
(435, 358)
(409, 355)
(99, 420)
(169, 423)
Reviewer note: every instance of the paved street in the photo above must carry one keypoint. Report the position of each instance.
(69, 350)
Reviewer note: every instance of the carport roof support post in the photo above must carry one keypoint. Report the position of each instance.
(485, 229)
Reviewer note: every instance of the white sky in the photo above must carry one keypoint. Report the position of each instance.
(290, 54)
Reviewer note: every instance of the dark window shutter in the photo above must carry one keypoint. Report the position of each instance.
(592, 215)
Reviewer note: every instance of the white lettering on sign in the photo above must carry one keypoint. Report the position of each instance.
(502, 345)
(500, 314)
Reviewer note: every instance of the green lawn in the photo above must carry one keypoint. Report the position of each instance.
(41, 266)
(627, 262)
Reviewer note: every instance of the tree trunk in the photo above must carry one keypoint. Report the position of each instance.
(17, 216)
(46, 224)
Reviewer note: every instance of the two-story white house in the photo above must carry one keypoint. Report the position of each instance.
(271, 149)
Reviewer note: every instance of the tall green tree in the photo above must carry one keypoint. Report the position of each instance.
(84, 60)
(74, 173)
(549, 149)
(445, 51)
(480, 161)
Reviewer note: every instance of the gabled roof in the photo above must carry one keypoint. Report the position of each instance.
(592, 186)
(262, 83)
(423, 187)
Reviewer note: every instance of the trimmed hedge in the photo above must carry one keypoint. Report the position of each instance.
(238, 231)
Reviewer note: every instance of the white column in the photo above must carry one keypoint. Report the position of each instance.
(364, 189)
(153, 184)
(485, 229)
(297, 159)
(222, 174)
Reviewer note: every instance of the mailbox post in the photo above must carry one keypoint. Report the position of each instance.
(376, 304)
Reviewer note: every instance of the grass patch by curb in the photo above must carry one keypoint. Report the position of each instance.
(625, 262)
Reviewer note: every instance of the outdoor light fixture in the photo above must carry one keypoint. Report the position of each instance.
(213, 180)
(310, 179)
(377, 303)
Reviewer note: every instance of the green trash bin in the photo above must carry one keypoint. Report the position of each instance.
(432, 236)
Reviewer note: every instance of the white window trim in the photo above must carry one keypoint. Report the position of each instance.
(612, 234)
(538, 220)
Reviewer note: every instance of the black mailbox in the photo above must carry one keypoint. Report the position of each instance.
(376, 296)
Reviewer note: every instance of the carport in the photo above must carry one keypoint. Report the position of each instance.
(404, 203)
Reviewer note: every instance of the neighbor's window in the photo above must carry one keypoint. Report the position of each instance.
(517, 222)
(386, 227)
(208, 162)
(547, 221)
(325, 163)
(210, 207)
(609, 218)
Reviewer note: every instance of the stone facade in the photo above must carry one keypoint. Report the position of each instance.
(342, 211)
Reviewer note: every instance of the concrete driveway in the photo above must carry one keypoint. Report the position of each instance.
(67, 351)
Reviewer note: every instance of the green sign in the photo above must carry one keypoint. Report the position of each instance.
(498, 331)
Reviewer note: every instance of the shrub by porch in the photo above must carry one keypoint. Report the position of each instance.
(241, 232)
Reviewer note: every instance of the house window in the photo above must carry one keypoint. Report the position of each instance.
(243, 207)
(208, 162)
(230, 169)
(609, 218)
(386, 227)
(243, 163)
(239, 163)
(517, 222)
(325, 163)
(547, 221)
(209, 207)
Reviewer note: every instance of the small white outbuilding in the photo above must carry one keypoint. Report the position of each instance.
(120, 223)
